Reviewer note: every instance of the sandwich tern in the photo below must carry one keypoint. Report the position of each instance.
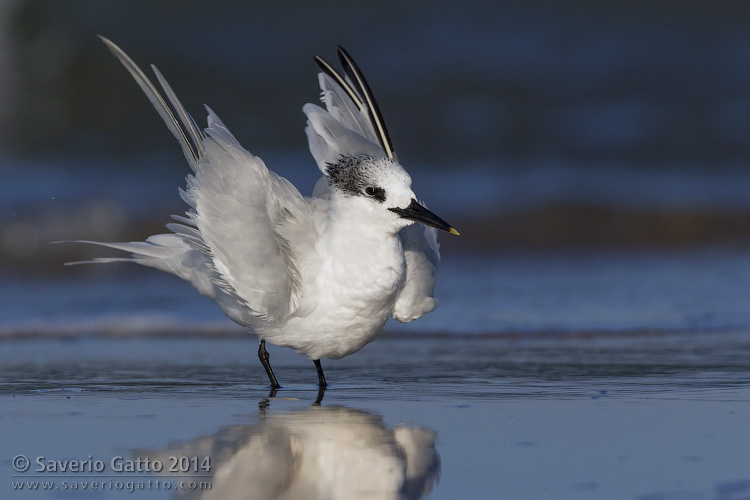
(320, 274)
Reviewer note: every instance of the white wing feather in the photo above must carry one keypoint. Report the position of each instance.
(344, 110)
(240, 210)
(329, 139)
(422, 254)
(243, 238)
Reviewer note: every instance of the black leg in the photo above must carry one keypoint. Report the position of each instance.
(263, 356)
(321, 393)
(321, 378)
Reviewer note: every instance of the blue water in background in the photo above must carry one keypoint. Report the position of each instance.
(495, 109)
(637, 292)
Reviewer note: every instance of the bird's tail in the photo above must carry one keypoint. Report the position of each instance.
(165, 252)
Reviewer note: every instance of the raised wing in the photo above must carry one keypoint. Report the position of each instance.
(243, 217)
(248, 223)
(352, 123)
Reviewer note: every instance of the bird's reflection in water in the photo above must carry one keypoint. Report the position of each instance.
(322, 452)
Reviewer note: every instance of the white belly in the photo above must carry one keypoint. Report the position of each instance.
(352, 301)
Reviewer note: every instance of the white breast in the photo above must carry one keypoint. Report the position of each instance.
(355, 289)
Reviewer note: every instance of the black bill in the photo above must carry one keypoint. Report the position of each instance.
(417, 212)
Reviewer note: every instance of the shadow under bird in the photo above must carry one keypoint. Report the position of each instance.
(319, 274)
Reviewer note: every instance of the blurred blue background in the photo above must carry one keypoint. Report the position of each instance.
(534, 127)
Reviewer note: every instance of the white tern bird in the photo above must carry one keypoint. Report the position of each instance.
(319, 274)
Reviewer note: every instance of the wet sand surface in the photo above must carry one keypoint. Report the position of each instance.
(593, 333)
(660, 416)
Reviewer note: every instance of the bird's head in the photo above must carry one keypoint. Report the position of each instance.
(381, 189)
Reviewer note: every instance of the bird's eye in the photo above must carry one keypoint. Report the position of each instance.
(375, 192)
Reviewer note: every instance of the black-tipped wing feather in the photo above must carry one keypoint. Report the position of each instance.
(192, 149)
(356, 87)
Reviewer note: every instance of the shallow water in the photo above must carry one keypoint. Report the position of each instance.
(574, 374)
(654, 416)
(702, 289)
(616, 374)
